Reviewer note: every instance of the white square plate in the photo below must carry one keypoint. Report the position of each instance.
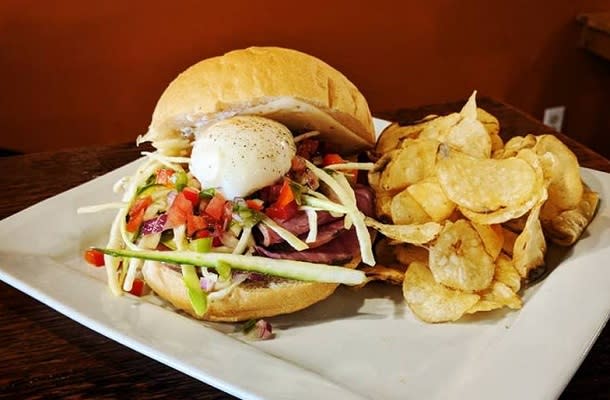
(356, 344)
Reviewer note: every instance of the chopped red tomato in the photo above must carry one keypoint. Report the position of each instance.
(195, 223)
(191, 195)
(179, 211)
(332, 158)
(205, 233)
(203, 203)
(182, 212)
(286, 196)
(216, 206)
(255, 204)
(138, 287)
(94, 257)
(136, 214)
(282, 213)
(163, 176)
(285, 207)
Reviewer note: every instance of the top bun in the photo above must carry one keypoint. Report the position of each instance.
(291, 87)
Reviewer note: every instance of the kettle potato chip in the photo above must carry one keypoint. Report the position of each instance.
(405, 210)
(429, 300)
(514, 145)
(469, 135)
(565, 186)
(565, 228)
(509, 240)
(393, 135)
(385, 274)
(409, 165)
(530, 246)
(492, 238)
(494, 205)
(432, 199)
(497, 296)
(383, 205)
(492, 126)
(486, 185)
(439, 127)
(458, 258)
(507, 273)
(416, 233)
(407, 253)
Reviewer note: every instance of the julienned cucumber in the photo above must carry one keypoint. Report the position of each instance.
(298, 270)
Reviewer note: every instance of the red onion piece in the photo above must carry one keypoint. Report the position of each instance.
(208, 281)
(154, 225)
(171, 196)
(263, 329)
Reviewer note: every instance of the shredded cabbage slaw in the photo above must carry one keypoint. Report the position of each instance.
(126, 251)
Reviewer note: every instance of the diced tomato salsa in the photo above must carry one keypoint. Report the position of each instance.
(332, 158)
(255, 204)
(138, 288)
(282, 213)
(164, 175)
(191, 195)
(285, 206)
(210, 221)
(195, 223)
(179, 211)
(216, 207)
(94, 257)
(136, 213)
(286, 196)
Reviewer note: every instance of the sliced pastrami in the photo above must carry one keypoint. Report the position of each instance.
(340, 250)
(297, 225)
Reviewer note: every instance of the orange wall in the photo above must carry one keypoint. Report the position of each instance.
(75, 73)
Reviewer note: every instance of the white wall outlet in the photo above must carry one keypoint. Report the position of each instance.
(553, 117)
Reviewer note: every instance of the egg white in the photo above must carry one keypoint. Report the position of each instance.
(240, 155)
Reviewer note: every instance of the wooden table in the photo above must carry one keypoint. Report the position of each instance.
(46, 355)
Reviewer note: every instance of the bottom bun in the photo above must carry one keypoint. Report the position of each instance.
(249, 300)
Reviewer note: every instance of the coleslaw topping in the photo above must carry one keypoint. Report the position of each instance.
(166, 215)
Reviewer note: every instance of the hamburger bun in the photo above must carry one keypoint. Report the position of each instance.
(249, 300)
(295, 89)
(291, 87)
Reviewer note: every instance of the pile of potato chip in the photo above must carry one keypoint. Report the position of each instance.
(488, 208)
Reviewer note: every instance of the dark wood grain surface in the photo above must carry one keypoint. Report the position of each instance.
(44, 354)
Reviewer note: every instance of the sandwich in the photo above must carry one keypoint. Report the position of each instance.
(251, 205)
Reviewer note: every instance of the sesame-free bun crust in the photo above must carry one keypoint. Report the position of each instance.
(292, 87)
(246, 301)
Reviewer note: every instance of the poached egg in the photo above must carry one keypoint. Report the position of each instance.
(242, 154)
